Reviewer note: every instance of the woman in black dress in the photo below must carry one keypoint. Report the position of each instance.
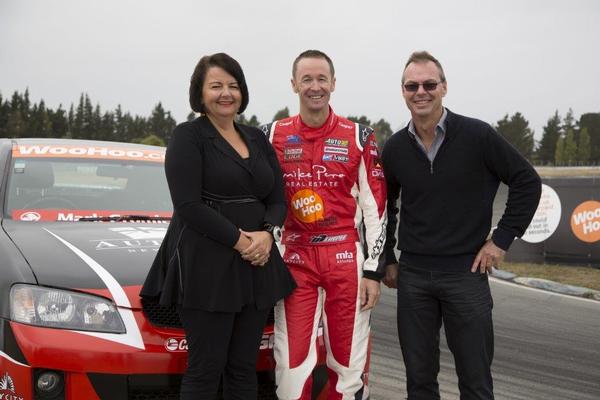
(217, 261)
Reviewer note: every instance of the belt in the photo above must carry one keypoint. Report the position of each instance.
(212, 199)
(320, 238)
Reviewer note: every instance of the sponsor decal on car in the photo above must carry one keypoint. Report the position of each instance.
(82, 151)
(7, 388)
(34, 215)
(141, 240)
(176, 344)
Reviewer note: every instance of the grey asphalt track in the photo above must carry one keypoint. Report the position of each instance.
(547, 347)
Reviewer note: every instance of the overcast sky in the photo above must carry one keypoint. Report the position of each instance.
(532, 56)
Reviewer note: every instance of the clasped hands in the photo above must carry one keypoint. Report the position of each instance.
(255, 247)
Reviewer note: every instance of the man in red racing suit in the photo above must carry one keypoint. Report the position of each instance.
(332, 237)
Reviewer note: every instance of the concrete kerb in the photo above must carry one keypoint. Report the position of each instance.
(547, 285)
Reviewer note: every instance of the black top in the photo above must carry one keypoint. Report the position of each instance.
(197, 265)
(446, 206)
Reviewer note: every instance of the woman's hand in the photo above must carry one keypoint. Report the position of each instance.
(260, 248)
(243, 243)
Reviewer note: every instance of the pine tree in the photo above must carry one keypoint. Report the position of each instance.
(383, 131)
(570, 150)
(559, 154)
(283, 113)
(60, 124)
(363, 120)
(583, 148)
(591, 122)
(547, 150)
(516, 130)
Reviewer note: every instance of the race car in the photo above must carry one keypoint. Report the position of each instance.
(81, 224)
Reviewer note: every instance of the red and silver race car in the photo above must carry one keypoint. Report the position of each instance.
(81, 223)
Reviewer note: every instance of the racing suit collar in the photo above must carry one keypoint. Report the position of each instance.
(311, 133)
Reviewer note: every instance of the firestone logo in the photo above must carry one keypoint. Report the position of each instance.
(7, 388)
(176, 344)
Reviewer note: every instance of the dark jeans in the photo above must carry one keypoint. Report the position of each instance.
(462, 300)
(221, 344)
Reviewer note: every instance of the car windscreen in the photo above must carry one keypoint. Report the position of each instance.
(68, 188)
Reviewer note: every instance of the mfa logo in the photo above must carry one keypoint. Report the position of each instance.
(344, 257)
(176, 344)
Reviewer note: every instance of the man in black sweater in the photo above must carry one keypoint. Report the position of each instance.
(447, 168)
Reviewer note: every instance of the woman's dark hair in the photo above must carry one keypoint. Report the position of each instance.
(225, 62)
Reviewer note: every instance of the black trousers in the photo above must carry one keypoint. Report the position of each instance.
(462, 300)
(221, 344)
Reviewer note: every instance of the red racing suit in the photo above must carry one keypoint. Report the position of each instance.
(332, 237)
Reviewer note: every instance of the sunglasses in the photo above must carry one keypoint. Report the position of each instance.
(427, 86)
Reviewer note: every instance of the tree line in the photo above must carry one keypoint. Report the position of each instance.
(565, 140)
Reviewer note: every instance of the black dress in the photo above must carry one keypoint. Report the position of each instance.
(196, 265)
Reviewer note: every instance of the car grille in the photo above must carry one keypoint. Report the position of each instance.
(167, 316)
(163, 316)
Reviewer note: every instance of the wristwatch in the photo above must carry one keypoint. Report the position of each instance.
(273, 230)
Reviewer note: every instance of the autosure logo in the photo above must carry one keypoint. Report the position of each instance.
(176, 344)
(307, 206)
(7, 388)
(585, 221)
(140, 240)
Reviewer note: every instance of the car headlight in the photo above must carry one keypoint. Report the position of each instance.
(56, 308)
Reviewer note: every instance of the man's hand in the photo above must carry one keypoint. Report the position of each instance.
(391, 276)
(489, 256)
(369, 293)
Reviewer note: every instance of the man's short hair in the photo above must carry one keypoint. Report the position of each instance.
(225, 62)
(422, 57)
(312, 54)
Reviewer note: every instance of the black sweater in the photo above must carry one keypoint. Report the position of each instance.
(446, 205)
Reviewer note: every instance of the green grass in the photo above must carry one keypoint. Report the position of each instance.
(570, 275)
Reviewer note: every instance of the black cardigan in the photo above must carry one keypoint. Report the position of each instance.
(446, 206)
(196, 265)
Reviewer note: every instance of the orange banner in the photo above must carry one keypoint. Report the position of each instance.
(585, 221)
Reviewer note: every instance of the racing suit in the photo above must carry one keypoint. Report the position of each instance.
(336, 195)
